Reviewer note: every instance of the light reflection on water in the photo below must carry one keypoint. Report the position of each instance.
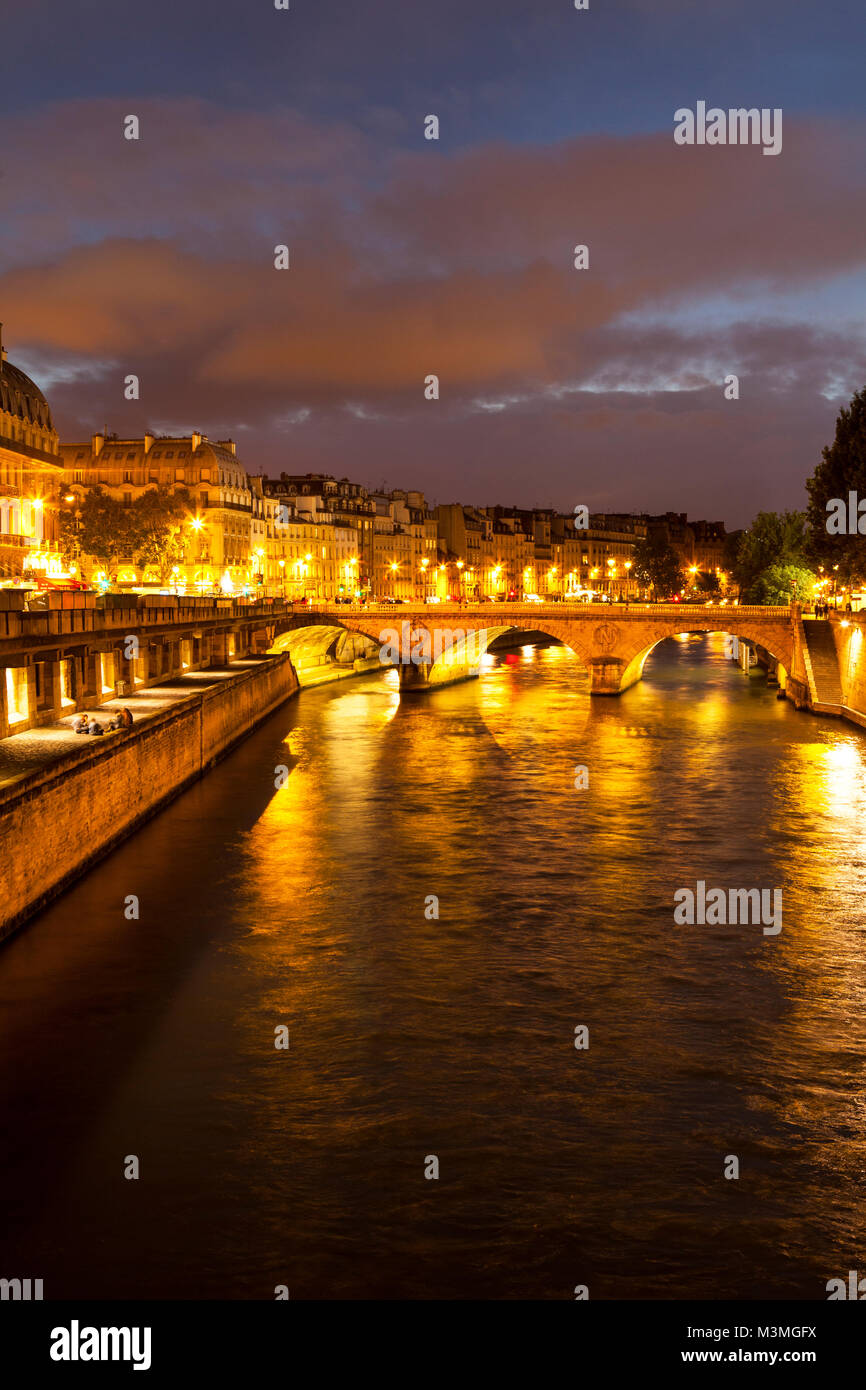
(413, 1036)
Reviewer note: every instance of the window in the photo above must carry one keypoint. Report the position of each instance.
(169, 453)
(178, 475)
(106, 670)
(130, 456)
(203, 500)
(127, 499)
(127, 477)
(156, 453)
(80, 454)
(66, 683)
(17, 703)
(78, 475)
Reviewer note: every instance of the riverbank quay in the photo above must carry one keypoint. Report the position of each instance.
(68, 799)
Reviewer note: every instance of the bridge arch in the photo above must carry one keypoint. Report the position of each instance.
(308, 644)
(462, 655)
(777, 642)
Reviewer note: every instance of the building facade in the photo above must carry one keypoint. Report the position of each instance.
(226, 522)
(31, 477)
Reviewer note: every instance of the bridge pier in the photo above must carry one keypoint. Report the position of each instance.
(416, 677)
(610, 675)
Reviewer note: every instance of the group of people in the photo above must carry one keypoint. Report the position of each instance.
(823, 609)
(89, 724)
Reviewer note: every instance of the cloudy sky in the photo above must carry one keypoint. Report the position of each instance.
(454, 257)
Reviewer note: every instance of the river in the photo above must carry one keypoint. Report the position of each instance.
(308, 906)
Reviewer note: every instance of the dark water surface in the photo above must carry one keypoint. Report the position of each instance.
(410, 1037)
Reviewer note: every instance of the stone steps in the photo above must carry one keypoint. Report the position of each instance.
(825, 663)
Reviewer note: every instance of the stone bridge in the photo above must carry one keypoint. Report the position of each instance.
(436, 644)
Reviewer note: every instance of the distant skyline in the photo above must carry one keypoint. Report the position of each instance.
(410, 257)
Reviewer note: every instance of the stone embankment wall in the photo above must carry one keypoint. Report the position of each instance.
(849, 634)
(59, 819)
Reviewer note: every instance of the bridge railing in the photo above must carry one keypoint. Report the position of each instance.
(598, 611)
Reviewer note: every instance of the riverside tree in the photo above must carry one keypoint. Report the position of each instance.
(98, 528)
(156, 520)
(773, 539)
(783, 583)
(656, 566)
(842, 470)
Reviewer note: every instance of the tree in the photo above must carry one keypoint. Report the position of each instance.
(774, 538)
(156, 521)
(730, 550)
(783, 583)
(656, 566)
(707, 583)
(842, 470)
(100, 528)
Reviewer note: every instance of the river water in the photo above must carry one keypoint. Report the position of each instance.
(410, 1036)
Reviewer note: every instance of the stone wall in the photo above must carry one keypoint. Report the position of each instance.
(58, 821)
(850, 642)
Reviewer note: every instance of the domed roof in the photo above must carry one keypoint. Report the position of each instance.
(21, 397)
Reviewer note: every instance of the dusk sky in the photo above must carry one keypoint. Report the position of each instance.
(410, 257)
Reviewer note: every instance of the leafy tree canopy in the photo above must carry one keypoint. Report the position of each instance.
(842, 470)
(155, 526)
(783, 583)
(656, 566)
(774, 538)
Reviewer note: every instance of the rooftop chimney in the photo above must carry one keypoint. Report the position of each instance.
(96, 443)
(148, 441)
(196, 440)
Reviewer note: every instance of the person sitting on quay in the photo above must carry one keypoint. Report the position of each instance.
(79, 724)
(115, 723)
(126, 718)
(95, 728)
